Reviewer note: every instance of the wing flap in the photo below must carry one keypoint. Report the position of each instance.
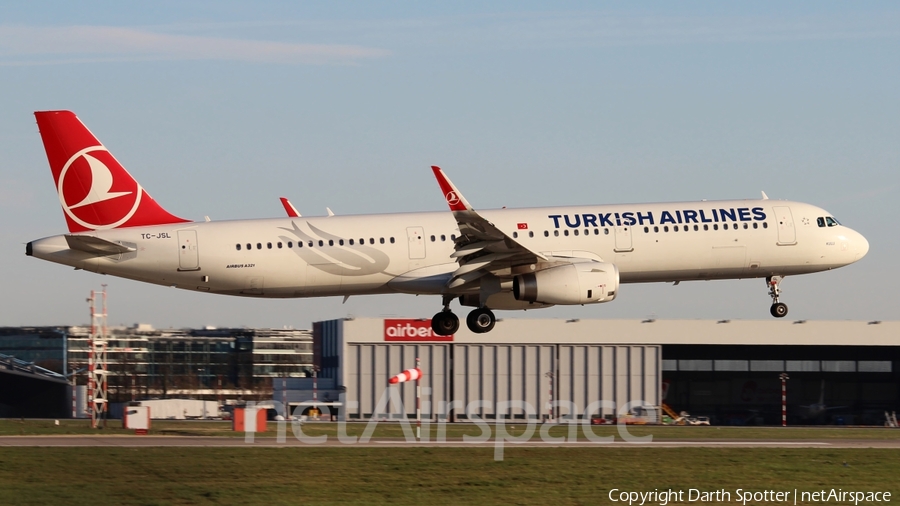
(482, 247)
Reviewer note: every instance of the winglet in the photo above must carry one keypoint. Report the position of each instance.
(289, 208)
(454, 199)
(765, 197)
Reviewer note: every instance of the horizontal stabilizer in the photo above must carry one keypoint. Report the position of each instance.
(96, 245)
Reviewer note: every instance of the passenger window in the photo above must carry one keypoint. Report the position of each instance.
(249, 246)
(546, 234)
(765, 224)
(331, 242)
(259, 245)
(705, 227)
(515, 235)
(311, 244)
(351, 242)
(392, 240)
(371, 240)
(341, 242)
(432, 238)
(238, 247)
(291, 244)
(566, 233)
(734, 226)
(452, 237)
(269, 245)
(716, 227)
(646, 230)
(655, 230)
(696, 228)
(596, 231)
(556, 233)
(745, 226)
(299, 244)
(666, 228)
(381, 240)
(820, 221)
(321, 243)
(279, 245)
(530, 234)
(605, 231)
(756, 225)
(575, 231)
(443, 237)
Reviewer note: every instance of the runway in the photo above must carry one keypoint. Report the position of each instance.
(290, 441)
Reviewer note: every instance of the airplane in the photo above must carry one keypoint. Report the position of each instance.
(499, 259)
(817, 410)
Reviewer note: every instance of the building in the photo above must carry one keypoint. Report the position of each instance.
(840, 372)
(144, 362)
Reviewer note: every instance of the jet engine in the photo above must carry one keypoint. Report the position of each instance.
(579, 283)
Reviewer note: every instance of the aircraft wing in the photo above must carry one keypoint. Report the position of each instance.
(482, 248)
(96, 246)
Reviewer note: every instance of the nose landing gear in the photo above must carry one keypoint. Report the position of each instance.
(778, 309)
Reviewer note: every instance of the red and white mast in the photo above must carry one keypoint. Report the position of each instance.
(97, 363)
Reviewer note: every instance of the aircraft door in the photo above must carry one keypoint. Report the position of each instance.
(416, 238)
(623, 239)
(785, 223)
(188, 251)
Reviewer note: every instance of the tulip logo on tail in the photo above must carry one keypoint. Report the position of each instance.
(110, 198)
(411, 330)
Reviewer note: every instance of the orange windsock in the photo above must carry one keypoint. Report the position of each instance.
(407, 375)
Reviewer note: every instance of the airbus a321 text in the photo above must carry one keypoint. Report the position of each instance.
(501, 259)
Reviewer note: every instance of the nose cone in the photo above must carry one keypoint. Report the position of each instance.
(861, 245)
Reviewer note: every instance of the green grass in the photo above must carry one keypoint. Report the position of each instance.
(11, 427)
(431, 476)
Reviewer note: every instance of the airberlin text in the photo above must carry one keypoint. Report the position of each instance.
(647, 218)
(744, 497)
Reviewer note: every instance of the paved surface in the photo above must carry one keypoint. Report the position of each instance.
(259, 442)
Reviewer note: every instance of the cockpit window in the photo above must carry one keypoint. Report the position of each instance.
(831, 222)
(820, 221)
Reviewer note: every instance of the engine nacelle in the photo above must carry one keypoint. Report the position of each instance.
(581, 283)
(500, 300)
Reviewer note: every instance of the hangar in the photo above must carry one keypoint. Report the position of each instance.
(839, 371)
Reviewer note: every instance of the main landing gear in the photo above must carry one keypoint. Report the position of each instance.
(446, 323)
(778, 309)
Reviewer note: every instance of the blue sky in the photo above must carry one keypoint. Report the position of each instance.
(219, 108)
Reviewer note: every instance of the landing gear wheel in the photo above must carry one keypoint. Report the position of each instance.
(481, 320)
(779, 310)
(445, 323)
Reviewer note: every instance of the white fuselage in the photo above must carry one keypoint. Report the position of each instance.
(411, 252)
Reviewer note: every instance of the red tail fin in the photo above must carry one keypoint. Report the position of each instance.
(95, 191)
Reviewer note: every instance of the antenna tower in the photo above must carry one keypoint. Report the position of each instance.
(97, 364)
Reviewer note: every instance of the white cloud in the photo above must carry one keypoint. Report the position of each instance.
(29, 45)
